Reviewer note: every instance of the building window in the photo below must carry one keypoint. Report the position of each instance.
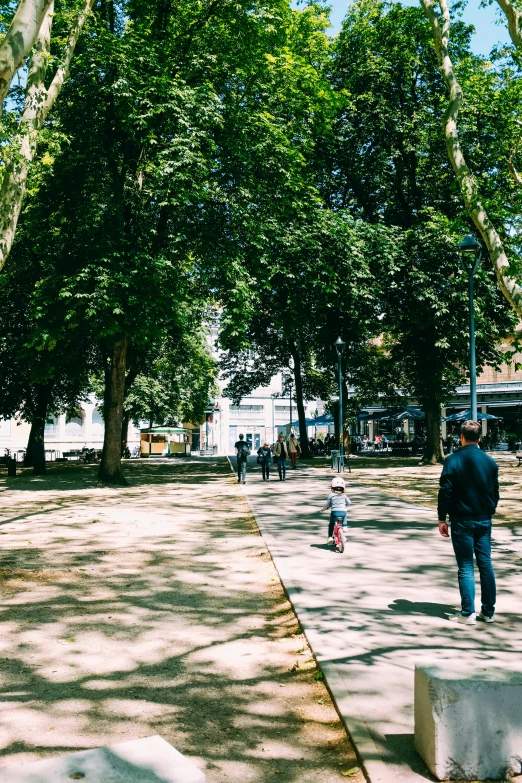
(74, 424)
(247, 413)
(51, 427)
(97, 423)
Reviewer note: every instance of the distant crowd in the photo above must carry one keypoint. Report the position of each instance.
(281, 452)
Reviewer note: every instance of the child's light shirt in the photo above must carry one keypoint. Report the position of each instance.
(337, 501)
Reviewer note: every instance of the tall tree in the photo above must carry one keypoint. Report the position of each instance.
(41, 375)
(440, 20)
(390, 165)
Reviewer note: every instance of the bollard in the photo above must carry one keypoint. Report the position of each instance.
(11, 467)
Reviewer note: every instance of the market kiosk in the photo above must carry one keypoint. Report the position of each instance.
(165, 441)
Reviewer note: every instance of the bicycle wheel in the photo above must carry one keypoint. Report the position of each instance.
(342, 541)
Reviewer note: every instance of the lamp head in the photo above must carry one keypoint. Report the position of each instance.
(339, 346)
(471, 254)
(469, 244)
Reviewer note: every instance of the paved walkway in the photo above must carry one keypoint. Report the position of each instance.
(373, 613)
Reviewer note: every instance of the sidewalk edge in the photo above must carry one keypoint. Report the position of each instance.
(374, 768)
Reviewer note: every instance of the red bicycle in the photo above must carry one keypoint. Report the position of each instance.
(339, 535)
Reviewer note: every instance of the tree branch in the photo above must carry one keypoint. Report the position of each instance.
(514, 173)
(15, 177)
(513, 17)
(38, 103)
(63, 69)
(441, 26)
(20, 39)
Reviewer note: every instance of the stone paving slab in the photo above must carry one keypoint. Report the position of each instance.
(375, 612)
(148, 760)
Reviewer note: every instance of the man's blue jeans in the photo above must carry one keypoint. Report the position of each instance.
(470, 538)
(241, 469)
(281, 467)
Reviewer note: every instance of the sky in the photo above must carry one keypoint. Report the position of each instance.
(483, 19)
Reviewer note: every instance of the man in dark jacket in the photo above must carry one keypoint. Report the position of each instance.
(469, 495)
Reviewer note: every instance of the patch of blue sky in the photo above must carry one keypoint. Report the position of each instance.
(490, 29)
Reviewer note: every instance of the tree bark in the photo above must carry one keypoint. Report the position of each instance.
(433, 448)
(35, 453)
(130, 377)
(347, 441)
(38, 102)
(20, 39)
(124, 430)
(110, 466)
(513, 17)
(301, 415)
(468, 187)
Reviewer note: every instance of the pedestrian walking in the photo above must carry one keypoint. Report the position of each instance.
(281, 454)
(243, 452)
(293, 449)
(469, 495)
(264, 458)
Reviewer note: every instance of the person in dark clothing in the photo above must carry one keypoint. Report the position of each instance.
(242, 451)
(281, 454)
(469, 494)
(265, 457)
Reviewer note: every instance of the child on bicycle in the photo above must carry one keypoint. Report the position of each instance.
(338, 501)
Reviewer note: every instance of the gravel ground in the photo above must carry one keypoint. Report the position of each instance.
(155, 609)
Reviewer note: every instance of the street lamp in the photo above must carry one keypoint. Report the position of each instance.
(471, 256)
(339, 347)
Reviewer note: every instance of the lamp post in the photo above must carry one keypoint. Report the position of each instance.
(471, 256)
(339, 347)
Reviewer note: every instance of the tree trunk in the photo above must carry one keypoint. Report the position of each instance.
(39, 100)
(20, 39)
(110, 467)
(334, 410)
(433, 449)
(130, 377)
(346, 428)
(513, 17)
(440, 26)
(301, 415)
(35, 454)
(124, 430)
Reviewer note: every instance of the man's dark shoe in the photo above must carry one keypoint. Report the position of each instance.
(485, 618)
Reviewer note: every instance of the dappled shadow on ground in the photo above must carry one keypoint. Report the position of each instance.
(156, 609)
(65, 476)
(409, 480)
(382, 607)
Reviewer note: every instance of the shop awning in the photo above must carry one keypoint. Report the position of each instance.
(464, 415)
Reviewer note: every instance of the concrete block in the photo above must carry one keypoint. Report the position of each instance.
(468, 724)
(148, 760)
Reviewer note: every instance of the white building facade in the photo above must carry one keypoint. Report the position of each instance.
(260, 417)
(63, 433)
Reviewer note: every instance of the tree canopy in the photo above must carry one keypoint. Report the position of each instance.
(159, 159)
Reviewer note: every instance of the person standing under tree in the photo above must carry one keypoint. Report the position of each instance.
(281, 454)
(294, 449)
(469, 494)
(243, 452)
